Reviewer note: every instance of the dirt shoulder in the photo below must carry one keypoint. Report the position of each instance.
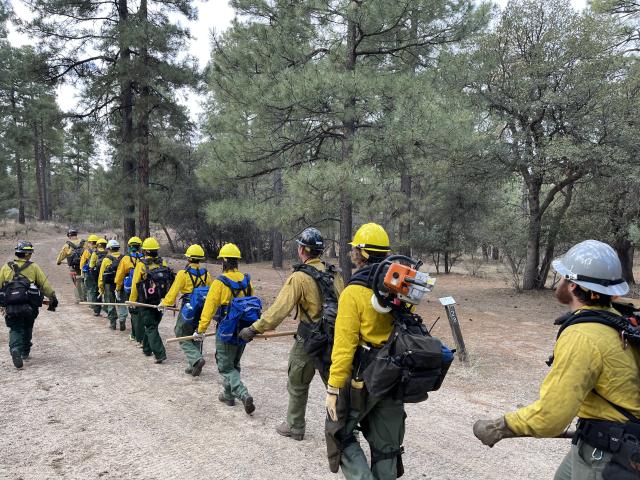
(90, 405)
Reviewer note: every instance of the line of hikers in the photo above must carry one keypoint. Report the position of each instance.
(370, 348)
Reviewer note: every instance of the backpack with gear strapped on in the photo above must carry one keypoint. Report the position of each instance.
(241, 312)
(621, 439)
(73, 260)
(318, 335)
(193, 303)
(155, 283)
(20, 296)
(109, 274)
(411, 363)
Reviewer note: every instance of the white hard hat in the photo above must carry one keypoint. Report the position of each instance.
(593, 265)
(113, 244)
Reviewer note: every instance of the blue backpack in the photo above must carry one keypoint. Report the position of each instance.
(128, 280)
(192, 308)
(242, 312)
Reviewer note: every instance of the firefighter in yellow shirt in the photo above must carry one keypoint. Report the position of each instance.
(124, 277)
(89, 248)
(107, 284)
(150, 288)
(228, 355)
(192, 276)
(359, 325)
(72, 252)
(593, 375)
(92, 274)
(300, 292)
(22, 283)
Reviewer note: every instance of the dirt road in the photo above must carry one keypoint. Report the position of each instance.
(89, 405)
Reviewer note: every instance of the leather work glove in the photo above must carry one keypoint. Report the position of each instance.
(491, 432)
(53, 303)
(118, 296)
(247, 334)
(197, 336)
(331, 402)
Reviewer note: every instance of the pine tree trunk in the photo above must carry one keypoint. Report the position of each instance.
(495, 253)
(404, 231)
(625, 250)
(345, 237)
(126, 152)
(38, 170)
(143, 168)
(533, 236)
(276, 234)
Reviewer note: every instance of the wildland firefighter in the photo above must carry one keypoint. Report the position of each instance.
(23, 284)
(72, 252)
(190, 283)
(595, 374)
(382, 358)
(124, 279)
(302, 293)
(152, 279)
(231, 302)
(107, 268)
(89, 248)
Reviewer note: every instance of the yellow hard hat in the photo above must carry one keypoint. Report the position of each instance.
(93, 238)
(135, 241)
(195, 251)
(150, 244)
(371, 237)
(101, 241)
(229, 250)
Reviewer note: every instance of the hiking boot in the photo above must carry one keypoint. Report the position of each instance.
(286, 431)
(96, 314)
(160, 360)
(123, 327)
(249, 406)
(197, 367)
(147, 354)
(224, 399)
(132, 338)
(112, 326)
(188, 370)
(25, 355)
(16, 357)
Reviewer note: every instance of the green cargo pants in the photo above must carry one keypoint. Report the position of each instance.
(151, 342)
(78, 286)
(583, 462)
(193, 350)
(92, 293)
(228, 360)
(137, 327)
(300, 375)
(382, 422)
(114, 313)
(21, 332)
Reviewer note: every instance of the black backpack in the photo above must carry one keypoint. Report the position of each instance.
(318, 336)
(73, 260)
(156, 282)
(109, 274)
(20, 296)
(411, 363)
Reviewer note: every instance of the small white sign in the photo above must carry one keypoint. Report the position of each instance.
(447, 301)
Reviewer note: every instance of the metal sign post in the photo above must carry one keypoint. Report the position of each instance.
(449, 306)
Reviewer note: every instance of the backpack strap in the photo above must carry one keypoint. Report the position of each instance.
(71, 244)
(237, 287)
(632, 418)
(17, 270)
(196, 276)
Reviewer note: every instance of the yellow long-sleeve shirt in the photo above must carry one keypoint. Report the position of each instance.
(33, 272)
(587, 356)
(105, 263)
(138, 275)
(356, 322)
(66, 251)
(125, 265)
(219, 294)
(184, 283)
(86, 255)
(93, 260)
(300, 291)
